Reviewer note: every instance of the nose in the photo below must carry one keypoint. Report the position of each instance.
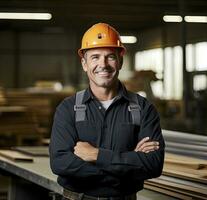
(103, 61)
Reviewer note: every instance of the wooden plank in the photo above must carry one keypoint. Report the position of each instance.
(185, 176)
(186, 172)
(33, 151)
(46, 141)
(188, 164)
(184, 182)
(3, 100)
(181, 194)
(178, 190)
(168, 192)
(185, 158)
(185, 167)
(13, 109)
(180, 185)
(15, 156)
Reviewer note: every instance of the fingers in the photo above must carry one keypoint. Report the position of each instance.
(147, 146)
(142, 142)
(86, 151)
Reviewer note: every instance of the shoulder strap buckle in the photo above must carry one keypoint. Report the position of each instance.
(81, 107)
(134, 107)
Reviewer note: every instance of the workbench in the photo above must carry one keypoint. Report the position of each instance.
(35, 181)
(30, 180)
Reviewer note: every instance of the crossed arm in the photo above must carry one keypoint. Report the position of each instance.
(87, 152)
(72, 158)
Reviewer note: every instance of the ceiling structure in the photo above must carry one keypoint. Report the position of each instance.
(126, 15)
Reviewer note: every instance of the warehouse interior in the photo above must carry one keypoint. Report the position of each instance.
(39, 66)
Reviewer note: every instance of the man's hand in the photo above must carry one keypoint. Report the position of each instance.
(86, 151)
(146, 146)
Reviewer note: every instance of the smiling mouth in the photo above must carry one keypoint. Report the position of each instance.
(104, 72)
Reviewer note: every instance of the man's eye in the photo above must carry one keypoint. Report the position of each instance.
(111, 57)
(94, 57)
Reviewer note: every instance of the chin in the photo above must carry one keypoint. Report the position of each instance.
(106, 84)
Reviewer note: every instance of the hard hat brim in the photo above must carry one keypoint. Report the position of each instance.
(81, 50)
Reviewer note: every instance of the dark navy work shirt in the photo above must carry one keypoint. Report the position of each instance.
(119, 170)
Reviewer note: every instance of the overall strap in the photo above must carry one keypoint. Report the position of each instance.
(80, 108)
(134, 108)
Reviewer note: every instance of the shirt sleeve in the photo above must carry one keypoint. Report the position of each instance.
(63, 161)
(137, 165)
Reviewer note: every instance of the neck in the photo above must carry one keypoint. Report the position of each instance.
(104, 94)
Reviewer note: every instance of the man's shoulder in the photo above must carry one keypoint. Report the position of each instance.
(67, 103)
(143, 101)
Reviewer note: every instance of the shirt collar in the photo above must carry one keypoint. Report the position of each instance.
(88, 95)
(122, 93)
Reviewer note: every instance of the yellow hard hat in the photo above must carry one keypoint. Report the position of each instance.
(101, 35)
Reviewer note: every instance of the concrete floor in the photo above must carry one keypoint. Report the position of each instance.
(151, 195)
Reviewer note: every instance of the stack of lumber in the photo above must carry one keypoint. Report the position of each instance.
(19, 124)
(42, 104)
(183, 177)
(185, 168)
(41, 107)
(2, 97)
(16, 122)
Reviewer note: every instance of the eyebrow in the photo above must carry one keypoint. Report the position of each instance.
(95, 54)
(98, 54)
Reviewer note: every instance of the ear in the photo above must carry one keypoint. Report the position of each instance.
(84, 64)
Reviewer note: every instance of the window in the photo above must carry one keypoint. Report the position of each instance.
(196, 56)
(167, 63)
(173, 81)
(199, 82)
(156, 59)
(152, 60)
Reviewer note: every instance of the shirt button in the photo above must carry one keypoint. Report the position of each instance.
(99, 107)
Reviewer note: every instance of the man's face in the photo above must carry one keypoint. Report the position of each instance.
(102, 66)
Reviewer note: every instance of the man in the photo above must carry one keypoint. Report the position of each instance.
(105, 140)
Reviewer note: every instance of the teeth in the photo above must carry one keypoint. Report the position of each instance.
(105, 71)
(102, 72)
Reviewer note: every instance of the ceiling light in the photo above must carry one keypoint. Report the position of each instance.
(172, 18)
(196, 19)
(128, 39)
(26, 16)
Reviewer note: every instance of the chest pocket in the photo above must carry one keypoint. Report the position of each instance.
(126, 137)
(87, 132)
